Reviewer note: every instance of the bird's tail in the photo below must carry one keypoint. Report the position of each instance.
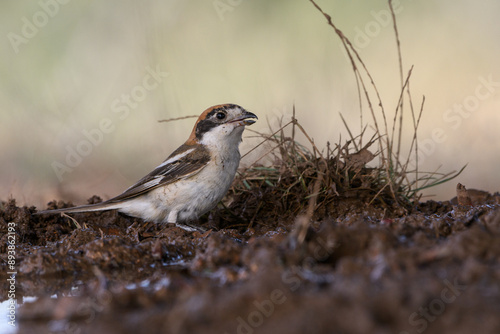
(83, 208)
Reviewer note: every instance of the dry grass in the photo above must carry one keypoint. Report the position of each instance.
(303, 179)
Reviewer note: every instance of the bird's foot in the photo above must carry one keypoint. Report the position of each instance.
(191, 228)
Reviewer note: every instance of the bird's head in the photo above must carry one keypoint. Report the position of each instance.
(221, 123)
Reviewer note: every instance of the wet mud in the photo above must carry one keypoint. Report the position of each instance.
(353, 268)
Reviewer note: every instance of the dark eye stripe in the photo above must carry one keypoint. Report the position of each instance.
(203, 127)
(211, 120)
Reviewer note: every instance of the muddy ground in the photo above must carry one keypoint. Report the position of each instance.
(357, 268)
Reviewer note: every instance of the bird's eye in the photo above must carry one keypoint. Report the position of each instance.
(220, 115)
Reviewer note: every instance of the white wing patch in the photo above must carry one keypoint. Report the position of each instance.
(175, 158)
(153, 182)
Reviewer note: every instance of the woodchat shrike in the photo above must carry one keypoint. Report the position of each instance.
(192, 180)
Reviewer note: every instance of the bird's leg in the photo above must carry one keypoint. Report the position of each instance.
(172, 217)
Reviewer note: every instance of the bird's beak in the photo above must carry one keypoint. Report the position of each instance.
(245, 119)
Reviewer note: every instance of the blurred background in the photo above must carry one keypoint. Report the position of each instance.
(83, 84)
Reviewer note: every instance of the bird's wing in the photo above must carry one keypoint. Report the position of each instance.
(184, 162)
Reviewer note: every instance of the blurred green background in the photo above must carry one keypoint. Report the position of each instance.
(69, 68)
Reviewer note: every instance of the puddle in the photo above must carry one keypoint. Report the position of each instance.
(6, 311)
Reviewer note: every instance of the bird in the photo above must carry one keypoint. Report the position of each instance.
(192, 180)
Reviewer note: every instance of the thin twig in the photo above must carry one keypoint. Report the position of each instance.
(176, 119)
(267, 138)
